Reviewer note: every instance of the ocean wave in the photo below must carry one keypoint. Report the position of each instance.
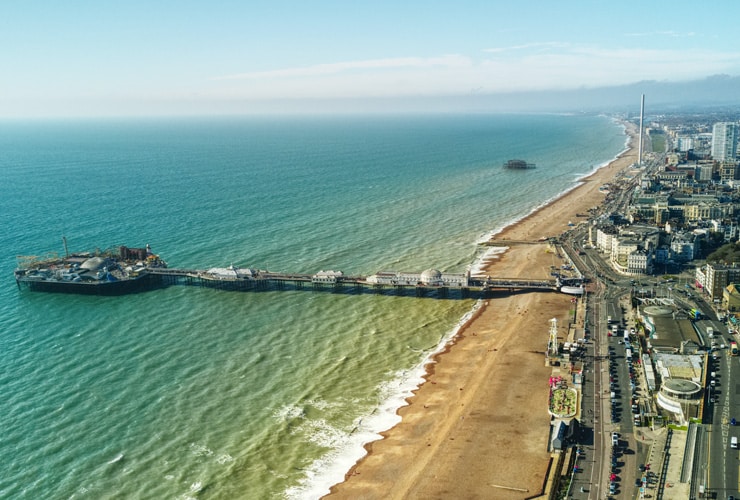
(349, 447)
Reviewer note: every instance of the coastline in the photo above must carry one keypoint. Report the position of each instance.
(478, 424)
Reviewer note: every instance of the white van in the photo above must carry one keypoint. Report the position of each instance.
(733, 443)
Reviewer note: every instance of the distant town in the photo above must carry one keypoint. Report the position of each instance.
(683, 205)
(661, 320)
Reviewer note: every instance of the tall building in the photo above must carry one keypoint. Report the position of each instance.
(717, 277)
(724, 141)
(684, 143)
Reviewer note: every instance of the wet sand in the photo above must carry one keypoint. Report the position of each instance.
(478, 426)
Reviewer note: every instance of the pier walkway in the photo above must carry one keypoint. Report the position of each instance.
(418, 284)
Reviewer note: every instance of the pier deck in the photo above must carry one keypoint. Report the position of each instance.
(266, 280)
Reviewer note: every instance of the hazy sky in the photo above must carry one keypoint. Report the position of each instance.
(72, 58)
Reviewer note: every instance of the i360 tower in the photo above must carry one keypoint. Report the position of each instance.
(639, 144)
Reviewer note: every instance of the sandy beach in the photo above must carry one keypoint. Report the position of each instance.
(478, 426)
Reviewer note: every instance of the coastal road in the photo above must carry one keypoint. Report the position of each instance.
(721, 473)
(601, 408)
(593, 481)
(594, 407)
(588, 483)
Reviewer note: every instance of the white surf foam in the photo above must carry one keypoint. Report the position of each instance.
(348, 446)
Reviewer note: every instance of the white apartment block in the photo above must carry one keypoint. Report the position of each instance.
(724, 141)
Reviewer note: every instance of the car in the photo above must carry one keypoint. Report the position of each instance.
(733, 421)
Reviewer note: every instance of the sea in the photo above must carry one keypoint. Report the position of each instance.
(186, 392)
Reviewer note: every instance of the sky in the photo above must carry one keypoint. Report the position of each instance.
(122, 58)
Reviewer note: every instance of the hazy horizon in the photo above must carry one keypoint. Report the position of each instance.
(185, 58)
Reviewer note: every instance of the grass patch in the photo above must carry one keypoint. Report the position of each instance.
(678, 427)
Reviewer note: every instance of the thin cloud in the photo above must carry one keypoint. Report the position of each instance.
(445, 61)
(668, 33)
(527, 46)
(530, 67)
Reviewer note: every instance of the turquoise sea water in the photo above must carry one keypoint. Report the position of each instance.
(195, 393)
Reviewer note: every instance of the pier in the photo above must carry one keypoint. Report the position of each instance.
(427, 283)
(128, 270)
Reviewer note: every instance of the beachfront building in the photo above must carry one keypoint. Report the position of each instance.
(631, 258)
(724, 141)
(631, 250)
(621, 250)
(656, 322)
(604, 237)
(638, 262)
(673, 362)
(681, 392)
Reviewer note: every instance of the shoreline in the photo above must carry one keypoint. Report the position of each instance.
(468, 391)
(629, 150)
